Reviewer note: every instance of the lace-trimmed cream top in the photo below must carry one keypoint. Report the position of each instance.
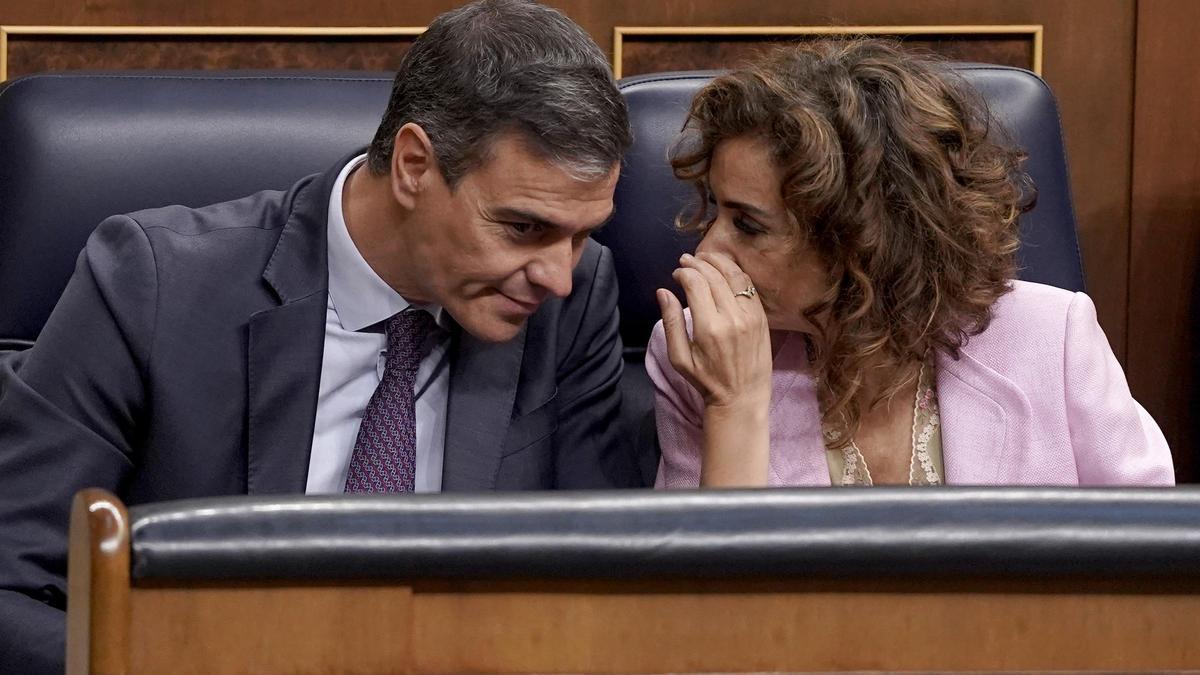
(847, 466)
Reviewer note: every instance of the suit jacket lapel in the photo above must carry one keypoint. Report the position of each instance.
(483, 385)
(286, 345)
(981, 412)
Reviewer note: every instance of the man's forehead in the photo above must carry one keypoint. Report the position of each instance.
(536, 189)
(512, 152)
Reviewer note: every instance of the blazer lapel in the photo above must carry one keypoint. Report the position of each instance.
(981, 414)
(286, 345)
(483, 385)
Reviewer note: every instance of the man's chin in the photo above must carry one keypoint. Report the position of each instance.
(494, 329)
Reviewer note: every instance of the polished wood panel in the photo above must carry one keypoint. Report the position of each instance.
(680, 626)
(791, 626)
(272, 628)
(33, 54)
(98, 622)
(700, 48)
(1164, 302)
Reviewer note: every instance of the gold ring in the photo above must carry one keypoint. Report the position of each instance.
(750, 292)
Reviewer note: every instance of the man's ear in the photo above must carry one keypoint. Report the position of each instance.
(413, 164)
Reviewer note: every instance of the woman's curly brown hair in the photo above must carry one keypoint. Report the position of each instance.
(895, 184)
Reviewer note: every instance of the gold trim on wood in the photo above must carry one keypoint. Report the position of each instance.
(621, 32)
(198, 31)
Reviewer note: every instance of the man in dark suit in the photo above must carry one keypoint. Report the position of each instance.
(427, 315)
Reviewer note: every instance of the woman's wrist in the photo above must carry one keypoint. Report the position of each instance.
(745, 409)
(736, 444)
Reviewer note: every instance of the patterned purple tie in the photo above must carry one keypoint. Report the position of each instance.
(385, 453)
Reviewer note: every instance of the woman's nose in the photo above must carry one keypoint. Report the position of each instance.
(712, 242)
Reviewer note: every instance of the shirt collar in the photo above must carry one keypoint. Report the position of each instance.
(359, 296)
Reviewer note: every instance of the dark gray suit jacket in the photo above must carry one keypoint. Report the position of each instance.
(183, 360)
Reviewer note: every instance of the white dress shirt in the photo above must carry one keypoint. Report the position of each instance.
(353, 363)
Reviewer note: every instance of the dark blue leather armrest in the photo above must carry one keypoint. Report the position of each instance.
(803, 533)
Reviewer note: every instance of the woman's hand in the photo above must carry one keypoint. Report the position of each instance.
(728, 360)
(728, 357)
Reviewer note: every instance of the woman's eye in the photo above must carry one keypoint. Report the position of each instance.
(747, 226)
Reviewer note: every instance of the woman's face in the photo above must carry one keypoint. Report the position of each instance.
(754, 228)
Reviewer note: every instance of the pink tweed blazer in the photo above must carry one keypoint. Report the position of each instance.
(1036, 399)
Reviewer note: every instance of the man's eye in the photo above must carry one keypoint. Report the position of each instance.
(524, 228)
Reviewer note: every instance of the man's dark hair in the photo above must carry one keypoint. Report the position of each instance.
(507, 65)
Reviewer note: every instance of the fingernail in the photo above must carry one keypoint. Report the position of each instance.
(685, 257)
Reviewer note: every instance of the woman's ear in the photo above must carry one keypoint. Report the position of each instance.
(413, 164)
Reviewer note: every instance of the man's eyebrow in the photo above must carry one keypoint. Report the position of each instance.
(507, 213)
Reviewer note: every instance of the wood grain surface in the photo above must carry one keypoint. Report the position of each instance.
(681, 626)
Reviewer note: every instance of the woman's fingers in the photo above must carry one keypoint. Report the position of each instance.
(679, 347)
(699, 295)
(723, 356)
(737, 280)
(718, 286)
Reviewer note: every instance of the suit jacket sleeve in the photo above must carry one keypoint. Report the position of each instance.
(678, 413)
(69, 411)
(1114, 439)
(591, 451)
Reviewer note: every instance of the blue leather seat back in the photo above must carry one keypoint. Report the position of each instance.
(79, 147)
(646, 246)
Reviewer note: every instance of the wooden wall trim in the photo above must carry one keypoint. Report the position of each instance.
(196, 31)
(1164, 241)
(620, 33)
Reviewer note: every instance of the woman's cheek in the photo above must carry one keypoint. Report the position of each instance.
(783, 313)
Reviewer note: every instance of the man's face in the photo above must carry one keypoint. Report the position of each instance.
(505, 239)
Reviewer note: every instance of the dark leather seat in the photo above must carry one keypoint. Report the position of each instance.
(81, 146)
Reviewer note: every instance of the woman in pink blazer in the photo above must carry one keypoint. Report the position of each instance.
(853, 318)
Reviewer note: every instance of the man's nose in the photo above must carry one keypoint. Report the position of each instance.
(553, 269)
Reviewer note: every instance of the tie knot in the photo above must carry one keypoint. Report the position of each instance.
(406, 332)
